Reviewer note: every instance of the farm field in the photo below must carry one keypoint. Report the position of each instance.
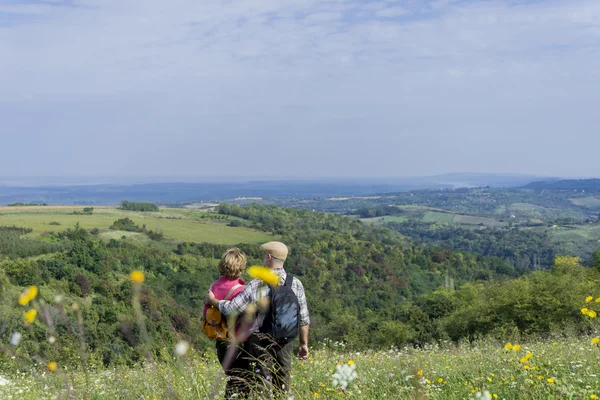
(432, 216)
(473, 220)
(543, 369)
(436, 216)
(525, 207)
(577, 233)
(589, 202)
(174, 223)
(384, 219)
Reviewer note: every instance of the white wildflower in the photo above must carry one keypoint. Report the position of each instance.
(484, 396)
(51, 340)
(345, 375)
(15, 339)
(182, 348)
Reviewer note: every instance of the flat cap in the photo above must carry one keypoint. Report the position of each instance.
(276, 249)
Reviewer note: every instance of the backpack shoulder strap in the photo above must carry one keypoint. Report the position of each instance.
(231, 291)
(288, 280)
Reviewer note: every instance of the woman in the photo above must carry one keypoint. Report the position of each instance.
(228, 286)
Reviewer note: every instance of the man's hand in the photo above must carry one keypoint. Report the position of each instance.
(302, 352)
(303, 348)
(211, 299)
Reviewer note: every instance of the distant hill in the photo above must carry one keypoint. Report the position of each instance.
(54, 191)
(575, 184)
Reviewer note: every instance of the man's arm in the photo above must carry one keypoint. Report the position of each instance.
(303, 348)
(304, 318)
(304, 322)
(235, 306)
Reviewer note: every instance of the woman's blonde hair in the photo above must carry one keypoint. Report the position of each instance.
(232, 263)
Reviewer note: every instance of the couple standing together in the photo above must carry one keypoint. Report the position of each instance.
(255, 359)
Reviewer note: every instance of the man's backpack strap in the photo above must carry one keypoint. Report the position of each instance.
(289, 279)
(231, 291)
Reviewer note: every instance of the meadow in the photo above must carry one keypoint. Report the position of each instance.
(590, 202)
(174, 223)
(460, 219)
(561, 368)
(385, 219)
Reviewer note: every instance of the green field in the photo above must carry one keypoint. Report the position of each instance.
(432, 216)
(174, 223)
(554, 369)
(448, 218)
(525, 207)
(384, 219)
(577, 233)
(589, 202)
(577, 240)
(473, 220)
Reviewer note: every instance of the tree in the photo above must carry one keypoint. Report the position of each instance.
(597, 261)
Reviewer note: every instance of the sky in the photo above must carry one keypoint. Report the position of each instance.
(299, 88)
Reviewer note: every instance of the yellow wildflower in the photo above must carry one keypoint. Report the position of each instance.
(595, 340)
(27, 295)
(551, 380)
(440, 380)
(30, 315)
(528, 355)
(592, 314)
(508, 346)
(589, 298)
(526, 366)
(137, 276)
(52, 366)
(593, 396)
(524, 360)
(420, 372)
(585, 311)
(428, 382)
(350, 362)
(516, 347)
(23, 298)
(597, 300)
(495, 395)
(264, 274)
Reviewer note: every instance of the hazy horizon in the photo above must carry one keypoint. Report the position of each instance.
(299, 88)
(39, 181)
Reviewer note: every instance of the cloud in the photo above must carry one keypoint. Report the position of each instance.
(391, 12)
(383, 70)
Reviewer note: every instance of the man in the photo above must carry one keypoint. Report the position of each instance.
(274, 360)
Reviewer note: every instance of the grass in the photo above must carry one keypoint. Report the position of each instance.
(449, 218)
(473, 220)
(525, 207)
(577, 233)
(589, 202)
(175, 224)
(384, 219)
(432, 216)
(561, 369)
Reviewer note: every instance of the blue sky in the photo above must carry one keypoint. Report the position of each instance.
(299, 88)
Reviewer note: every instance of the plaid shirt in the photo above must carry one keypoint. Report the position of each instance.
(257, 289)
